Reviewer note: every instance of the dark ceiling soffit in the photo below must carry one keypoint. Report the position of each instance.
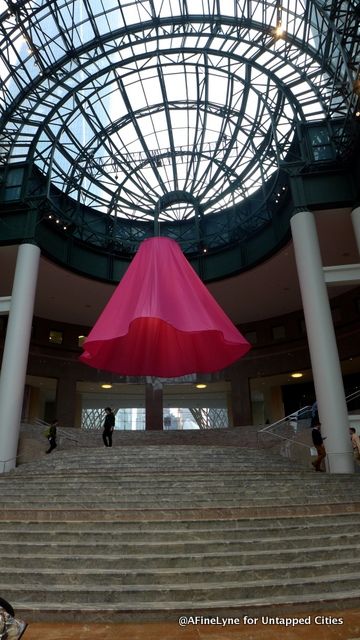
(322, 190)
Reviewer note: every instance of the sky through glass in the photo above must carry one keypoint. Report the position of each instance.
(166, 108)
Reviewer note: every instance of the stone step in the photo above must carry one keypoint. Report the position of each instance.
(170, 473)
(147, 480)
(188, 464)
(95, 532)
(123, 438)
(172, 478)
(239, 489)
(146, 534)
(155, 594)
(166, 504)
(169, 547)
(136, 502)
(162, 451)
(91, 577)
(147, 483)
(290, 556)
(166, 611)
(37, 494)
(148, 487)
(151, 493)
(170, 467)
(316, 525)
(184, 457)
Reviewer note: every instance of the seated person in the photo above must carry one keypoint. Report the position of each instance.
(11, 628)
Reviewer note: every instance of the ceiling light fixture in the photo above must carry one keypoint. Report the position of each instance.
(278, 31)
(297, 374)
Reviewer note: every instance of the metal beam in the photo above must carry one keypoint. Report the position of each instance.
(342, 275)
(5, 302)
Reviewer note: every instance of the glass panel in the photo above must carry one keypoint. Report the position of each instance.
(121, 103)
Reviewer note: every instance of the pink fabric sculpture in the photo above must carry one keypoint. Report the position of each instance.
(162, 321)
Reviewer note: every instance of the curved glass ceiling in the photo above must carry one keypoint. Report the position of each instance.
(168, 108)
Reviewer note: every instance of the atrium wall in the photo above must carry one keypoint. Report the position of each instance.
(279, 347)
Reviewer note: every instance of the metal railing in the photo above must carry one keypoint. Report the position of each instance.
(61, 432)
(302, 414)
(351, 397)
(291, 427)
(287, 442)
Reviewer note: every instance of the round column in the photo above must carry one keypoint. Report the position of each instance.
(355, 217)
(16, 351)
(322, 344)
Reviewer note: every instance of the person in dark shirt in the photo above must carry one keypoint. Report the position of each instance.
(318, 442)
(109, 424)
(52, 436)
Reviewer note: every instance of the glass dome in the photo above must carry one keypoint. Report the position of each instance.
(166, 109)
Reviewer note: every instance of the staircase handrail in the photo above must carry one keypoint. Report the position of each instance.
(294, 415)
(352, 396)
(302, 444)
(39, 422)
(64, 434)
(61, 431)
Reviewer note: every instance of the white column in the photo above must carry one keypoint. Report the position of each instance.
(355, 217)
(322, 344)
(16, 351)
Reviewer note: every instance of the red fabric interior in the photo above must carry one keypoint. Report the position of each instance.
(162, 321)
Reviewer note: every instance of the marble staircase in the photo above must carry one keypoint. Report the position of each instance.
(152, 532)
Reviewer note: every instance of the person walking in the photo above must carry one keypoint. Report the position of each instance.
(109, 424)
(318, 442)
(52, 436)
(355, 441)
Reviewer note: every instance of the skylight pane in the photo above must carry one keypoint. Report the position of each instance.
(169, 96)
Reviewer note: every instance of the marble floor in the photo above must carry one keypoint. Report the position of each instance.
(313, 628)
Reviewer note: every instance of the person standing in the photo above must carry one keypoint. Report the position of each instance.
(109, 425)
(318, 442)
(52, 436)
(314, 414)
(355, 441)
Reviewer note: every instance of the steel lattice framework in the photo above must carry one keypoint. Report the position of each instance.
(172, 109)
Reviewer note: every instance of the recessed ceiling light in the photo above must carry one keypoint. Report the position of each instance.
(106, 386)
(201, 386)
(297, 374)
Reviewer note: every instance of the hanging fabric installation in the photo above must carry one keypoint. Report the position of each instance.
(162, 321)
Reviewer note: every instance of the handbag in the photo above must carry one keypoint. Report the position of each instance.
(11, 628)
